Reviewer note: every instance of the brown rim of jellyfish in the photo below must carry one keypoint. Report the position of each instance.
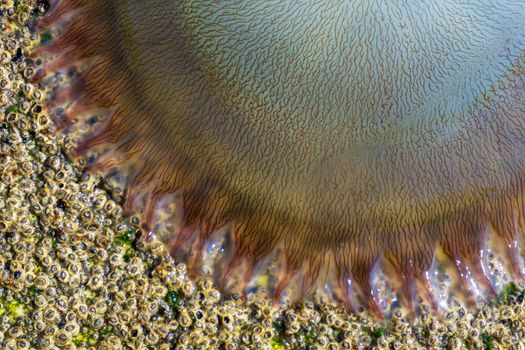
(88, 38)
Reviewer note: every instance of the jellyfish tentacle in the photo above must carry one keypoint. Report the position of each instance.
(504, 218)
(410, 254)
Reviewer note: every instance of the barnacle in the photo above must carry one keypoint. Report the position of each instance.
(323, 137)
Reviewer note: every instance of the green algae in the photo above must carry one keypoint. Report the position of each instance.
(130, 254)
(378, 332)
(34, 291)
(307, 335)
(172, 298)
(15, 108)
(85, 338)
(45, 37)
(488, 342)
(128, 237)
(277, 344)
(510, 293)
(13, 309)
(279, 331)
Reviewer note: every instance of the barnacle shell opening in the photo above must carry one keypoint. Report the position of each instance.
(314, 143)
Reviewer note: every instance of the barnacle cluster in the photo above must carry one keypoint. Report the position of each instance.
(75, 275)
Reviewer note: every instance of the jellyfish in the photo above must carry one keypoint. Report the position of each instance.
(327, 136)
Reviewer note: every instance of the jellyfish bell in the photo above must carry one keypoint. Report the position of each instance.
(329, 139)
